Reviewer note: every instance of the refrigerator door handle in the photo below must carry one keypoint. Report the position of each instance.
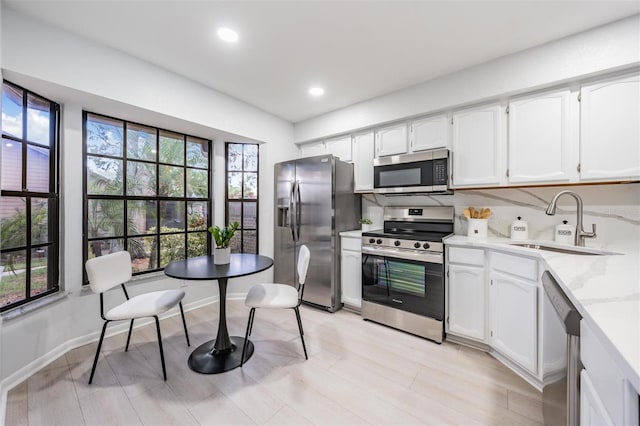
(291, 211)
(298, 210)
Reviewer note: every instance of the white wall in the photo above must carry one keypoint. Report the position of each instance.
(608, 48)
(81, 74)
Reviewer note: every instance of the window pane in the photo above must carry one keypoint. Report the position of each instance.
(13, 281)
(104, 135)
(171, 248)
(12, 111)
(171, 181)
(235, 212)
(141, 217)
(37, 169)
(171, 148)
(172, 216)
(249, 242)
(141, 178)
(104, 176)
(197, 243)
(197, 215)
(250, 215)
(11, 177)
(251, 185)
(38, 116)
(197, 183)
(13, 222)
(197, 153)
(105, 218)
(234, 159)
(234, 244)
(234, 182)
(144, 253)
(39, 220)
(101, 247)
(39, 270)
(141, 142)
(251, 158)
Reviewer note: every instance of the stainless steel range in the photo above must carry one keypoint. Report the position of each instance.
(403, 270)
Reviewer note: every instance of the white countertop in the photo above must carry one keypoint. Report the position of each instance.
(605, 290)
(356, 233)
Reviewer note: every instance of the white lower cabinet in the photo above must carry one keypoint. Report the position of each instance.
(351, 272)
(466, 315)
(513, 311)
(592, 411)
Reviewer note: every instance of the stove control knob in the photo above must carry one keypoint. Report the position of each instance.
(372, 240)
(379, 241)
(397, 243)
(425, 245)
(417, 245)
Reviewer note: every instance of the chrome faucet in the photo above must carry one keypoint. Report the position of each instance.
(580, 232)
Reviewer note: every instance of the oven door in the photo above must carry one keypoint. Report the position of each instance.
(412, 285)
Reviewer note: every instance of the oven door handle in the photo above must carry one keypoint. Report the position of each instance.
(406, 254)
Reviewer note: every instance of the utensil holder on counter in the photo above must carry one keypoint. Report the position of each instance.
(477, 228)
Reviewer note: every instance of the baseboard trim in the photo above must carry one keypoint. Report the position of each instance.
(36, 365)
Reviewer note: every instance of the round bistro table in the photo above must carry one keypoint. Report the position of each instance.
(223, 353)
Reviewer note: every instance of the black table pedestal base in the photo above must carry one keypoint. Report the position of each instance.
(206, 360)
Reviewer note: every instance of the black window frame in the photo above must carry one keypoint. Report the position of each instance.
(155, 198)
(227, 200)
(53, 199)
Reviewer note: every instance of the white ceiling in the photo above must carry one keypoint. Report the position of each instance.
(356, 50)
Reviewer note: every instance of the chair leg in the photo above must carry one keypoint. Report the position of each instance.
(164, 370)
(126, 348)
(95, 360)
(252, 315)
(246, 335)
(301, 332)
(184, 323)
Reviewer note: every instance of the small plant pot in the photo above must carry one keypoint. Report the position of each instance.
(366, 227)
(222, 256)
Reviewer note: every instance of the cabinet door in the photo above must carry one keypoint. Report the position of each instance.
(477, 147)
(312, 149)
(351, 278)
(592, 411)
(610, 130)
(467, 301)
(430, 133)
(540, 139)
(363, 164)
(339, 147)
(391, 140)
(513, 304)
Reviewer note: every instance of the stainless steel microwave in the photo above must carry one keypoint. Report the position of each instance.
(423, 172)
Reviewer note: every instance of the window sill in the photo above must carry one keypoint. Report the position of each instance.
(32, 306)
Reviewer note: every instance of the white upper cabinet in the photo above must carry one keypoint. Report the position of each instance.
(477, 147)
(540, 139)
(312, 149)
(429, 133)
(339, 147)
(610, 129)
(363, 162)
(391, 140)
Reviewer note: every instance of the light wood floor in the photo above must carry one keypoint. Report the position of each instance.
(357, 373)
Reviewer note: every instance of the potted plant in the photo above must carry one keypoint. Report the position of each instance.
(366, 224)
(222, 238)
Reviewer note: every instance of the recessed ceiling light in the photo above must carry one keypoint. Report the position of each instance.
(227, 34)
(316, 91)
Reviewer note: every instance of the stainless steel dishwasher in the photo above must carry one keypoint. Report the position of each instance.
(561, 399)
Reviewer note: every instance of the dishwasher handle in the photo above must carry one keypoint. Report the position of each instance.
(566, 310)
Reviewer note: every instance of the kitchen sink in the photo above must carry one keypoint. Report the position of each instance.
(578, 250)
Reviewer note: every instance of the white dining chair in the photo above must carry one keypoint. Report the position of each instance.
(111, 270)
(278, 296)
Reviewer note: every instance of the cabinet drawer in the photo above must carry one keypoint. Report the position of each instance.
(523, 267)
(466, 255)
(351, 244)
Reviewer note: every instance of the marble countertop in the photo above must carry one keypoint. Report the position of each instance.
(605, 289)
(356, 233)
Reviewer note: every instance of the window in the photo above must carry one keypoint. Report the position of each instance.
(29, 197)
(147, 190)
(242, 195)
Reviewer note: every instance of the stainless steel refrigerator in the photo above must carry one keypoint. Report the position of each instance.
(314, 202)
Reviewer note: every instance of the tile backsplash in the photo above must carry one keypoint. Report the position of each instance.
(615, 209)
